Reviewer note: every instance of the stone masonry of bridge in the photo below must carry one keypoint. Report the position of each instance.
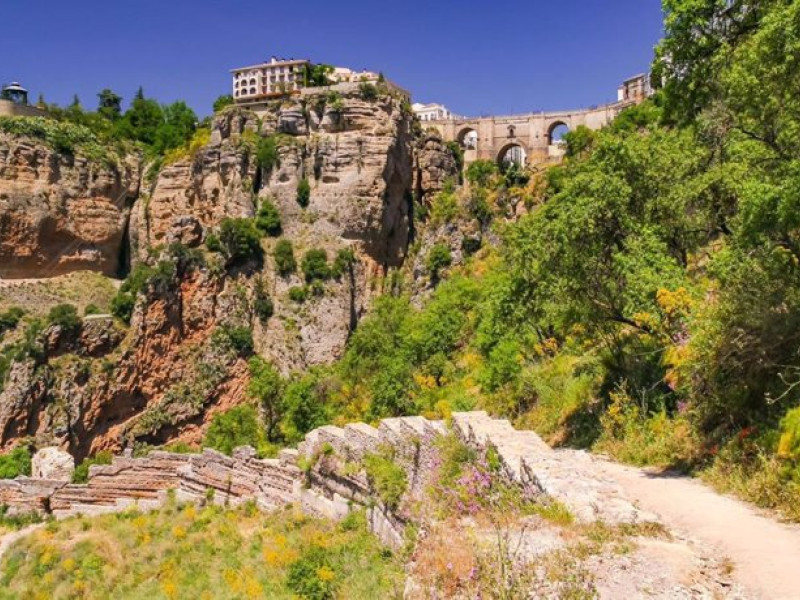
(318, 476)
(532, 132)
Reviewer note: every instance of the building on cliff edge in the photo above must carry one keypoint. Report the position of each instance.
(14, 102)
(278, 77)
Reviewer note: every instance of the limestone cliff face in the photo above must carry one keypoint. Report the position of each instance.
(193, 195)
(165, 377)
(61, 212)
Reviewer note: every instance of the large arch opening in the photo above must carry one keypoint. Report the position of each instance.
(556, 133)
(512, 154)
(468, 138)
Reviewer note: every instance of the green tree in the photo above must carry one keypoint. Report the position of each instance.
(109, 105)
(284, 257)
(240, 241)
(303, 192)
(304, 408)
(222, 102)
(439, 258)
(234, 428)
(315, 265)
(266, 387)
(66, 317)
(268, 219)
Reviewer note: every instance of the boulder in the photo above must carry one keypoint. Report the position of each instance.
(52, 463)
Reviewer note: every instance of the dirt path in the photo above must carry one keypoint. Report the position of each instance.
(765, 553)
(7, 539)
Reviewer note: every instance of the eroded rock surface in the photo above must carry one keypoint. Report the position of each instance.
(61, 212)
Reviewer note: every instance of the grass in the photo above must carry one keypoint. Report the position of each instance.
(81, 288)
(183, 551)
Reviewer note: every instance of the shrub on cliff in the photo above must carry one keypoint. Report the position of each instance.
(10, 319)
(303, 192)
(439, 258)
(315, 265)
(66, 317)
(262, 303)
(234, 337)
(387, 478)
(268, 219)
(240, 241)
(16, 462)
(267, 155)
(345, 259)
(368, 91)
(236, 427)
(81, 472)
(285, 262)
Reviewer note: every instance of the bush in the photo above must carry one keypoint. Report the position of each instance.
(284, 258)
(311, 576)
(315, 265)
(92, 309)
(481, 172)
(345, 259)
(222, 102)
(303, 192)
(81, 472)
(212, 243)
(236, 427)
(387, 478)
(240, 241)
(66, 317)
(267, 156)
(122, 306)
(236, 337)
(262, 303)
(438, 259)
(16, 462)
(268, 219)
(10, 319)
(368, 91)
(298, 293)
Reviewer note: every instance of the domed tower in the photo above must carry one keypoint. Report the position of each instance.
(15, 93)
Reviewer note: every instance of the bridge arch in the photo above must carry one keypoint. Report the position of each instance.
(467, 138)
(556, 131)
(513, 152)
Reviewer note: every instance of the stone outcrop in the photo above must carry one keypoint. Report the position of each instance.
(61, 212)
(319, 476)
(52, 463)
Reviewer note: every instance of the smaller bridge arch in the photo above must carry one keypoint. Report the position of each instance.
(556, 131)
(467, 138)
(512, 152)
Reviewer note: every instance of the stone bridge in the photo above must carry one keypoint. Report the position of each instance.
(527, 138)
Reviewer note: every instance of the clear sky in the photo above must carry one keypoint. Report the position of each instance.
(475, 56)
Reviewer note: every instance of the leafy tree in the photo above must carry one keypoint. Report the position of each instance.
(315, 265)
(110, 104)
(16, 462)
(141, 121)
(262, 303)
(317, 75)
(284, 258)
(481, 172)
(234, 428)
(178, 124)
(239, 338)
(439, 258)
(267, 154)
(304, 408)
(268, 219)
(240, 241)
(222, 102)
(303, 192)
(266, 387)
(345, 259)
(66, 317)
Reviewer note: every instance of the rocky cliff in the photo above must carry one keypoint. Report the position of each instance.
(62, 211)
(166, 375)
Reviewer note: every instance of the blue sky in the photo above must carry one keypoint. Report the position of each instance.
(478, 57)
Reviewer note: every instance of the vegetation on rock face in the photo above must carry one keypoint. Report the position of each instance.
(285, 262)
(185, 551)
(268, 219)
(81, 472)
(303, 192)
(16, 462)
(239, 241)
(237, 427)
(315, 265)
